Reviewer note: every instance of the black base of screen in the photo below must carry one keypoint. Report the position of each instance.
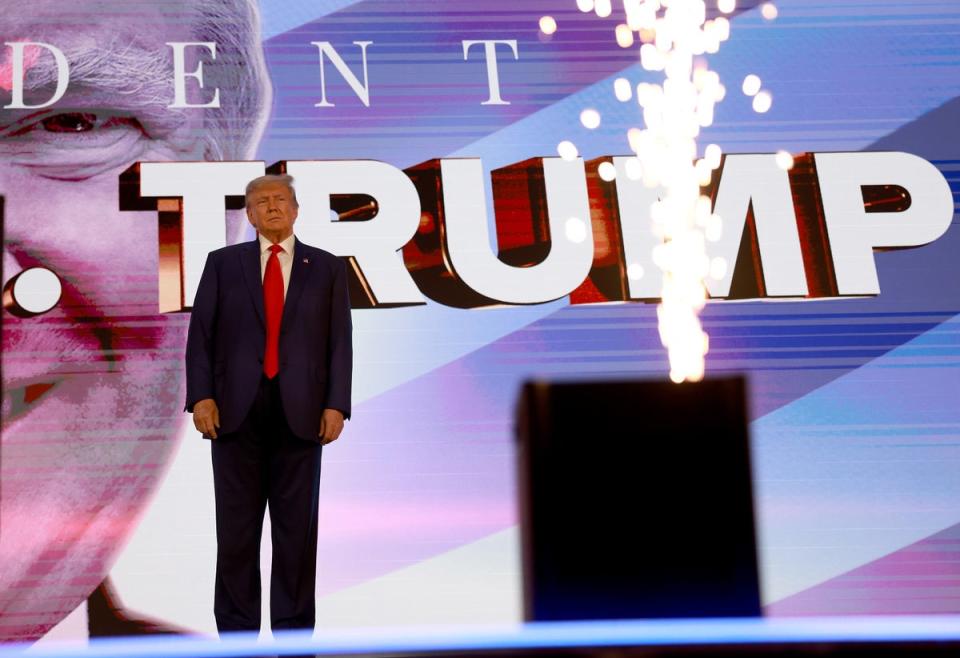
(636, 500)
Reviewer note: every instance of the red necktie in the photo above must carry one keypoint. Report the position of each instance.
(273, 305)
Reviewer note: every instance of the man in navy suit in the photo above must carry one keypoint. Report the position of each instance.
(269, 366)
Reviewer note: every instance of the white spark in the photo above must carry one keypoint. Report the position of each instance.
(650, 58)
(712, 155)
(722, 27)
(762, 101)
(567, 150)
(590, 119)
(666, 148)
(751, 85)
(784, 160)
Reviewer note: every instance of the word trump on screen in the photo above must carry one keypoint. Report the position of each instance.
(557, 227)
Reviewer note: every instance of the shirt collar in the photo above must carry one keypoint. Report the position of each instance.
(286, 244)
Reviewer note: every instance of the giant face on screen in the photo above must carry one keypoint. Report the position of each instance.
(92, 390)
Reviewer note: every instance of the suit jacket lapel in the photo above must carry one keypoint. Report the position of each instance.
(298, 277)
(250, 265)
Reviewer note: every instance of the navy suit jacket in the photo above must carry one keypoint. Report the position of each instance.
(227, 336)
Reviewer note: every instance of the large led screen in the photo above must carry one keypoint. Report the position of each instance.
(473, 164)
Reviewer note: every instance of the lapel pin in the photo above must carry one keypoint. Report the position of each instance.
(306, 260)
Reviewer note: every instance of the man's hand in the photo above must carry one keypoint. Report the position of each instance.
(331, 424)
(206, 417)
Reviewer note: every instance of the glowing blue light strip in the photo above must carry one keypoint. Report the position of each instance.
(527, 637)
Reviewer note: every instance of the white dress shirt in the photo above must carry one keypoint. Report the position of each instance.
(285, 257)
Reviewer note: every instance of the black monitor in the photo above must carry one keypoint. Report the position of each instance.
(636, 500)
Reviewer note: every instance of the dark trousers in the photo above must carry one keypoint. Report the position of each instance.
(264, 463)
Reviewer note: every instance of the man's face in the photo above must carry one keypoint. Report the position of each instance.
(272, 210)
(92, 390)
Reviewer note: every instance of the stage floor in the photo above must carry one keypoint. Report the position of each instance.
(846, 636)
